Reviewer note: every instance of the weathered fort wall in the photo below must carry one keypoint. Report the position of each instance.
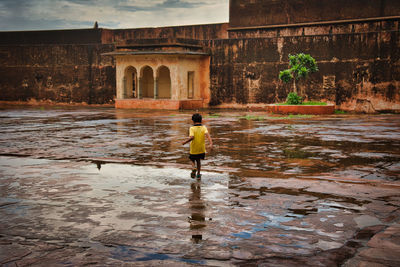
(62, 66)
(196, 32)
(356, 44)
(254, 13)
(359, 67)
(356, 48)
(67, 65)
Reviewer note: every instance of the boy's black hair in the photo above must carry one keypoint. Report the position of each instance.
(196, 117)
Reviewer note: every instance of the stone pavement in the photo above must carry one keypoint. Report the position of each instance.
(382, 249)
(105, 187)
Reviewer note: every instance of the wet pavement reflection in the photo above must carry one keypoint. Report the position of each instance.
(105, 187)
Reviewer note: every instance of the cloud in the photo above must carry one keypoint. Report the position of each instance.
(64, 14)
(179, 4)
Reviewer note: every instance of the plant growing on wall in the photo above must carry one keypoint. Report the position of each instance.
(300, 66)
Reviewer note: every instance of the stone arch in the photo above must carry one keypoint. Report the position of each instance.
(130, 82)
(163, 82)
(147, 82)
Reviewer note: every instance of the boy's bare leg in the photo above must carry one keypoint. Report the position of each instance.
(193, 173)
(198, 166)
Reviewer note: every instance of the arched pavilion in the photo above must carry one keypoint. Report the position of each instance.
(162, 74)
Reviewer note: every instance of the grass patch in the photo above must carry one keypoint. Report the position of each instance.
(213, 116)
(252, 118)
(315, 103)
(337, 111)
(291, 116)
(309, 103)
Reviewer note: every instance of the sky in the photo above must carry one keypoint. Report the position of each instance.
(23, 15)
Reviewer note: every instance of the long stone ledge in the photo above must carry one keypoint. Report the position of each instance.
(318, 23)
(159, 104)
(301, 109)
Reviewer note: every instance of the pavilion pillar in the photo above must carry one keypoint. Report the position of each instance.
(123, 88)
(155, 88)
(140, 88)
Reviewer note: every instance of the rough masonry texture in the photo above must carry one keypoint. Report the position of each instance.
(355, 42)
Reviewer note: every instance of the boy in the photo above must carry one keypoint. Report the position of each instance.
(197, 134)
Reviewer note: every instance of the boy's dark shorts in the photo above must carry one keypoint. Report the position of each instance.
(193, 157)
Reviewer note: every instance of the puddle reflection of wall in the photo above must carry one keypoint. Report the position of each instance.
(177, 134)
(155, 130)
(122, 117)
(161, 137)
(197, 207)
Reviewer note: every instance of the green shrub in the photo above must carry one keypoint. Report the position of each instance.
(285, 76)
(300, 66)
(293, 99)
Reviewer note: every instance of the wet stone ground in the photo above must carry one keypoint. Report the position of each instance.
(110, 187)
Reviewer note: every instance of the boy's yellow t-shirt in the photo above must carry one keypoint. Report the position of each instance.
(198, 145)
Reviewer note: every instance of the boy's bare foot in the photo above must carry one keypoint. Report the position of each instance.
(193, 173)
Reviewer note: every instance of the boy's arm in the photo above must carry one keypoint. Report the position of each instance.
(191, 136)
(209, 140)
(188, 140)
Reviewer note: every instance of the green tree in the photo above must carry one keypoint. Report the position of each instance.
(300, 66)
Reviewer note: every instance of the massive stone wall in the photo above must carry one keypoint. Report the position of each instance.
(67, 65)
(358, 62)
(195, 32)
(62, 66)
(356, 44)
(250, 13)
(84, 36)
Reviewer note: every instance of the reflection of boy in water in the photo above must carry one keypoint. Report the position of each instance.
(197, 134)
(197, 219)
